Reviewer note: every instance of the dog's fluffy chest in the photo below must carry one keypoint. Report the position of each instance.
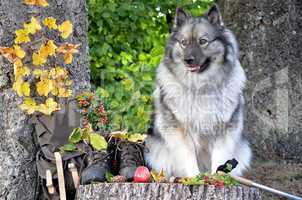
(197, 110)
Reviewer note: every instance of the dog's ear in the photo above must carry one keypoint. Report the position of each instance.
(180, 17)
(214, 15)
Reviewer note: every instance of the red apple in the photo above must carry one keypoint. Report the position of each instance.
(142, 175)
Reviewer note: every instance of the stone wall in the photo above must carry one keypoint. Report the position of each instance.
(270, 37)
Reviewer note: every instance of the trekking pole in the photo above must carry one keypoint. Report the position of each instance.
(231, 164)
(265, 188)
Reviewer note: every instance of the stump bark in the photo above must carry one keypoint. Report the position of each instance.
(18, 178)
(165, 191)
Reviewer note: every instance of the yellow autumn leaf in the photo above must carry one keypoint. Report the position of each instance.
(63, 92)
(38, 59)
(42, 3)
(33, 26)
(48, 49)
(44, 86)
(58, 72)
(49, 106)
(20, 70)
(65, 28)
(50, 22)
(55, 91)
(20, 53)
(29, 105)
(18, 63)
(22, 88)
(21, 36)
(68, 82)
(137, 137)
(37, 73)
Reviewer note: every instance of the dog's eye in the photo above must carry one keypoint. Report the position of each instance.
(203, 41)
(183, 42)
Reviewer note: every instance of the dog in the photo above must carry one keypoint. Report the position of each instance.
(198, 101)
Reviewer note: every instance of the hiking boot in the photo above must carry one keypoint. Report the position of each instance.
(131, 156)
(98, 165)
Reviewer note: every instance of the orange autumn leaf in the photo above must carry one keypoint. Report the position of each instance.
(48, 49)
(68, 50)
(68, 58)
(12, 54)
(42, 3)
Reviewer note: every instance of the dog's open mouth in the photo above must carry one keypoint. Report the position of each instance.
(199, 68)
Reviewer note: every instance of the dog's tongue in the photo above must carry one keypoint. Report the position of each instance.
(193, 67)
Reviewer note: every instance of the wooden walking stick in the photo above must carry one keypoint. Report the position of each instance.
(60, 172)
(74, 173)
(231, 164)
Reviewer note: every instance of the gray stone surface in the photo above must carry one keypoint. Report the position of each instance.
(17, 139)
(270, 36)
(165, 191)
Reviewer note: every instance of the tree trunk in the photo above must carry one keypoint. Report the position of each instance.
(135, 191)
(269, 33)
(18, 178)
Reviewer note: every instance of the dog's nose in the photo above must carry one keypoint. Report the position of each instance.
(189, 61)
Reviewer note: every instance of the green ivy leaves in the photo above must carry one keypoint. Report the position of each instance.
(78, 135)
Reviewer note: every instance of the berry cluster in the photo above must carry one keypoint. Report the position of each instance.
(93, 111)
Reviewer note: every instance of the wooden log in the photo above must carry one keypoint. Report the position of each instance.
(164, 191)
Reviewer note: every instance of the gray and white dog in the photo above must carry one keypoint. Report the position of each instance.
(199, 103)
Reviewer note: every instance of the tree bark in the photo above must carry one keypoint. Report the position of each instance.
(269, 33)
(137, 191)
(18, 177)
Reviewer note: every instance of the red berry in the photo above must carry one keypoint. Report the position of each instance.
(104, 120)
(219, 184)
(206, 180)
(101, 109)
(142, 175)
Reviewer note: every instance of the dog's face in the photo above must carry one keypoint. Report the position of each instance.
(197, 42)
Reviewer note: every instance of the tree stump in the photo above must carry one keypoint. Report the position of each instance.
(18, 178)
(166, 191)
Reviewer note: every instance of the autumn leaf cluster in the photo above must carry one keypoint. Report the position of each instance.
(38, 77)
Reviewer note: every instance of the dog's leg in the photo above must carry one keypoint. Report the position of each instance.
(226, 149)
(174, 154)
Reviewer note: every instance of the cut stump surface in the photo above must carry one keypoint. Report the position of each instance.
(166, 191)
